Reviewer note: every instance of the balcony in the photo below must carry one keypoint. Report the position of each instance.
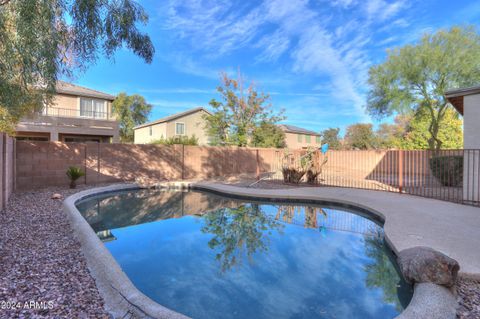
(75, 113)
(70, 121)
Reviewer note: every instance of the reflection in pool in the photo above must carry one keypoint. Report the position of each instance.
(209, 256)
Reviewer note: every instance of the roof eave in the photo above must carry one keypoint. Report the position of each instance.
(98, 96)
(172, 117)
(462, 92)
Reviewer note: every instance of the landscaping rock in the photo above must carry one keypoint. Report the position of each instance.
(56, 196)
(468, 296)
(424, 264)
(43, 273)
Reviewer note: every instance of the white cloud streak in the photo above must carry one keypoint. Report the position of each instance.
(291, 29)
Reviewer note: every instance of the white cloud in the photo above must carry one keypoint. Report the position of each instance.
(189, 65)
(380, 10)
(292, 29)
(176, 104)
(273, 46)
(213, 26)
(178, 91)
(344, 3)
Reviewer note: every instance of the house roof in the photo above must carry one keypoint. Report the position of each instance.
(296, 129)
(173, 117)
(456, 96)
(73, 89)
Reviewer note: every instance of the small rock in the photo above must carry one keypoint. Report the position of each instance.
(56, 196)
(424, 264)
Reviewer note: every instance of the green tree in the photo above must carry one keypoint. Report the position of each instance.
(416, 133)
(390, 136)
(268, 135)
(415, 77)
(43, 40)
(360, 136)
(217, 125)
(330, 137)
(239, 114)
(131, 110)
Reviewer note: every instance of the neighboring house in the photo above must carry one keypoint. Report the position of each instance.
(188, 123)
(77, 114)
(467, 103)
(297, 137)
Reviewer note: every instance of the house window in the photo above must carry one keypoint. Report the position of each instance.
(318, 139)
(307, 139)
(179, 128)
(92, 108)
(299, 138)
(150, 130)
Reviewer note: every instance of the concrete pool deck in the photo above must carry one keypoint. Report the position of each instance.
(409, 221)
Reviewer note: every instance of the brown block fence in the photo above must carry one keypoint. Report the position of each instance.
(41, 164)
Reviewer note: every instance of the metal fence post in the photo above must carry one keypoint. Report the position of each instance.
(183, 161)
(400, 171)
(258, 165)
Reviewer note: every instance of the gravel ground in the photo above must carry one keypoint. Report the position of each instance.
(468, 298)
(43, 273)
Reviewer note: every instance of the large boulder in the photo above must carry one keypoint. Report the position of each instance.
(424, 264)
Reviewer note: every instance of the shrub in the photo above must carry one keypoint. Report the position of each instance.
(312, 175)
(448, 170)
(307, 165)
(292, 175)
(183, 140)
(73, 174)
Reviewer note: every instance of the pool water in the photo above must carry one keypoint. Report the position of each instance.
(208, 256)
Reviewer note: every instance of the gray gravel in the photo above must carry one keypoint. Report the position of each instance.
(41, 261)
(468, 291)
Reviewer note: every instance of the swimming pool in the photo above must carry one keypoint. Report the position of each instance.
(209, 256)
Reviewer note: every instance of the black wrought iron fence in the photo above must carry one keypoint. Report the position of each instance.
(451, 175)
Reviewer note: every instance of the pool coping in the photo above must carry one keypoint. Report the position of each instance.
(122, 297)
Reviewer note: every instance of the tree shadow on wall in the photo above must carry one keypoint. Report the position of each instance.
(225, 162)
(128, 162)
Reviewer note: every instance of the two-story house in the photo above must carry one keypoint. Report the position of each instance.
(188, 123)
(77, 114)
(297, 137)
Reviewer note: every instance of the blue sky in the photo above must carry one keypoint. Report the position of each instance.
(311, 56)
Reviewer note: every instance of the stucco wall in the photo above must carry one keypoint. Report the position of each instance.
(471, 141)
(194, 125)
(471, 121)
(292, 141)
(66, 102)
(142, 135)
